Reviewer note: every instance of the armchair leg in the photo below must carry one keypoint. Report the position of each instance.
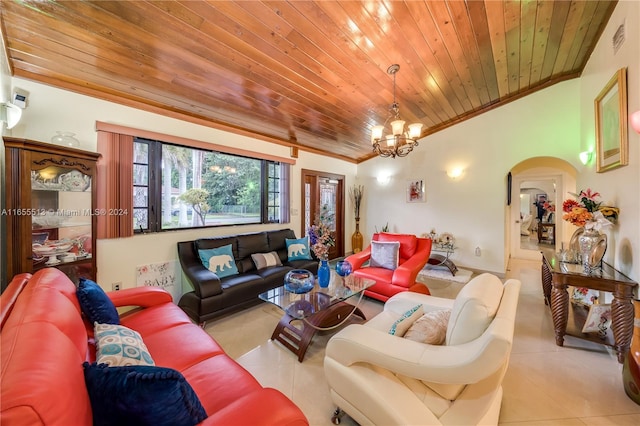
(337, 416)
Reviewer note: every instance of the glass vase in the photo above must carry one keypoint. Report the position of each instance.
(324, 274)
(591, 248)
(356, 238)
(65, 139)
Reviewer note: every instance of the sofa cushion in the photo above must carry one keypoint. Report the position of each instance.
(402, 324)
(219, 260)
(408, 243)
(252, 243)
(298, 249)
(264, 260)
(118, 345)
(431, 328)
(95, 303)
(474, 308)
(141, 395)
(384, 255)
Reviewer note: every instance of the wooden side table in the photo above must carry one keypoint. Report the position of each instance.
(557, 276)
(547, 233)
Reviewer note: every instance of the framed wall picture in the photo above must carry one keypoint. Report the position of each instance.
(612, 144)
(415, 191)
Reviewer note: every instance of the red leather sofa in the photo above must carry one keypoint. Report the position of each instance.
(45, 340)
(414, 253)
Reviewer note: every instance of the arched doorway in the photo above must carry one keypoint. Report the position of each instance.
(538, 182)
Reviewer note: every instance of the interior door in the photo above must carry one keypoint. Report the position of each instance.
(321, 190)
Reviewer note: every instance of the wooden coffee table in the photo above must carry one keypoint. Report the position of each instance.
(320, 309)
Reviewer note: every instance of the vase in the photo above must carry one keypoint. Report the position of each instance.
(592, 247)
(343, 268)
(66, 139)
(356, 238)
(631, 366)
(324, 274)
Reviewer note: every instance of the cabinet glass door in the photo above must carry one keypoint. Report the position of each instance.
(61, 220)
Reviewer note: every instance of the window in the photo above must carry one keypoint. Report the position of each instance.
(181, 187)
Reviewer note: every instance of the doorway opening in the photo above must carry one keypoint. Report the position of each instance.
(539, 186)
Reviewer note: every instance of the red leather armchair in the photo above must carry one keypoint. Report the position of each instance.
(413, 255)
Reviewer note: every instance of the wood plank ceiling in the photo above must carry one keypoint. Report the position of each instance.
(311, 74)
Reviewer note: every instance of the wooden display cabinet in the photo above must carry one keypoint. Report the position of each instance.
(50, 209)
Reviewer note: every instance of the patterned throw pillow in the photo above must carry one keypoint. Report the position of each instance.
(384, 254)
(118, 345)
(219, 261)
(264, 260)
(431, 328)
(141, 395)
(298, 249)
(405, 321)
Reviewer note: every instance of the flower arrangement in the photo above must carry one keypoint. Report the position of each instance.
(549, 207)
(320, 236)
(356, 194)
(586, 210)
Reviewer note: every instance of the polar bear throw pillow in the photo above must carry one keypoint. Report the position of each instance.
(298, 249)
(219, 261)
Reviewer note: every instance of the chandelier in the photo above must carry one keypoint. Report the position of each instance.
(400, 141)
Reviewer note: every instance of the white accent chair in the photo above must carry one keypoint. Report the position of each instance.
(525, 224)
(381, 379)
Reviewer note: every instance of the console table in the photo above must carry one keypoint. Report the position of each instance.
(557, 276)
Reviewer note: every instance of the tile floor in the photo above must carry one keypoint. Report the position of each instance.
(578, 384)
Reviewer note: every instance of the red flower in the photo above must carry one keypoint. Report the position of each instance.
(568, 205)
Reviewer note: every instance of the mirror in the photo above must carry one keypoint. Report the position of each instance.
(537, 214)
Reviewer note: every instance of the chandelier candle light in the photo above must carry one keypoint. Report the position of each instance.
(401, 141)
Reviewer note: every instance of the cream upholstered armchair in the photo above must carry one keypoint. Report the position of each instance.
(382, 379)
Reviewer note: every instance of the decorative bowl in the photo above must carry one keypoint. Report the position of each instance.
(298, 281)
(343, 268)
(39, 237)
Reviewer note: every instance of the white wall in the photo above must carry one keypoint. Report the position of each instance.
(619, 187)
(472, 207)
(52, 109)
(555, 122)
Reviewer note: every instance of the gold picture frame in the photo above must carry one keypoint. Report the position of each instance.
(612, 144)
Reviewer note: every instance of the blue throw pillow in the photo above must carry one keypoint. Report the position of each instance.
(298, 249)
(141, 395)
(95, 303)
(219, 261)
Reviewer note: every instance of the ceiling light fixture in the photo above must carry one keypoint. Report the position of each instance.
(400, 142)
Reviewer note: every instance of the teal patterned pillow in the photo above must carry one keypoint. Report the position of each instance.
(405, 321)
(118, 345)
(219, 260)
(298, 249)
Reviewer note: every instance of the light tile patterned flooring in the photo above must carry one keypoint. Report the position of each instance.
(575, 385)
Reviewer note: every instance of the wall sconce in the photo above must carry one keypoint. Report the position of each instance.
(10, 114)
(383, 179)
(455, 173)
(585, 157)
(635, 121)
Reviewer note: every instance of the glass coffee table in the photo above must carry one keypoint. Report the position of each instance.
(318, 310)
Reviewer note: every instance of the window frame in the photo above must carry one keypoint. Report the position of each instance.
(154, 198)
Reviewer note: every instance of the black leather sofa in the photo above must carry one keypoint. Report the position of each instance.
(212, 296)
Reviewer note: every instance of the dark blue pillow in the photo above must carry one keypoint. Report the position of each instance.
(95, 303)
(141, 395)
